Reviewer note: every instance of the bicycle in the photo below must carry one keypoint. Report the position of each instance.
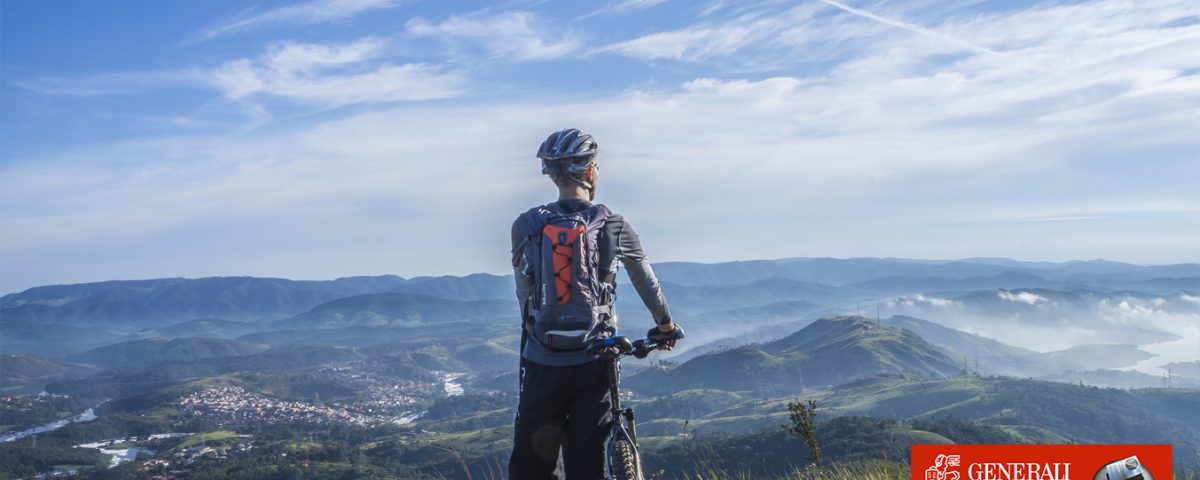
(621, 458)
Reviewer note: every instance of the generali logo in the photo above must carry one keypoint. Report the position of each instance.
(945, 467)
(1040, 462)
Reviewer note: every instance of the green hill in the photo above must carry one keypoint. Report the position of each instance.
(1080, 413)
(23, 369)
(829, 351)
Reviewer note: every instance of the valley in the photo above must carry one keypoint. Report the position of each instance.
(416, 378)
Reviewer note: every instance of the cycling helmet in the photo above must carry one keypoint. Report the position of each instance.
(567, 151)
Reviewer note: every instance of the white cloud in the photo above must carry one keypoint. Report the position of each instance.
(1021, 296)
(519, 35)
(318, 74)
(316, 11)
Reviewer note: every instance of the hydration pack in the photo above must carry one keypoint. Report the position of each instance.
(570, 303)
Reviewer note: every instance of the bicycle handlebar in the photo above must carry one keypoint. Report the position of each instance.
(621, 346)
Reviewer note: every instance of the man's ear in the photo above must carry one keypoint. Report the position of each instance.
(591, 173)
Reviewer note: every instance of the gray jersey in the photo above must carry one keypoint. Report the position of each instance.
(619, 246)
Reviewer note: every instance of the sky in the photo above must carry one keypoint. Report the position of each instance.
(320, 139)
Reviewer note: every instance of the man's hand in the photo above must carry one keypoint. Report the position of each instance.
(664, 335)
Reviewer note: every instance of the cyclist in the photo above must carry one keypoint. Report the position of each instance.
(564, 391)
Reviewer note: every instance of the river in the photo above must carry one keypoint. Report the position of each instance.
(450, 384)
(87, 416)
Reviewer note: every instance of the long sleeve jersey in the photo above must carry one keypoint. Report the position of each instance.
(619, 246)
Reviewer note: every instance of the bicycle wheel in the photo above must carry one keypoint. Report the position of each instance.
(624, 463)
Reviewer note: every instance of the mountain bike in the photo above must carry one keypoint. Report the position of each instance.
(621, 458)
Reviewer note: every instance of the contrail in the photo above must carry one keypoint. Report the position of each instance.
(907, 26)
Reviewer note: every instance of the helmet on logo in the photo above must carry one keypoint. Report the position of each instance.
(567, 151)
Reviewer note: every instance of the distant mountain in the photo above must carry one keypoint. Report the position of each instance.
(399, 309)
(156, 350)
(846, 271)
(138, 305)
(478, 286)
(829, 351)
(135, 305)
(914, 285)
(691, 274)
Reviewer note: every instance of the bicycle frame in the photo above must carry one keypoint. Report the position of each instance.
(612, 350)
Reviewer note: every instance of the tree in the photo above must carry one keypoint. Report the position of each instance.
(802, 415)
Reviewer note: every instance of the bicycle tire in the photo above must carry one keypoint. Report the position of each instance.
(625, 464)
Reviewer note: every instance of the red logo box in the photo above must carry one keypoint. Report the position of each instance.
(1041, 462)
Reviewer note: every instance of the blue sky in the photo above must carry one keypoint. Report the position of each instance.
(359, 137)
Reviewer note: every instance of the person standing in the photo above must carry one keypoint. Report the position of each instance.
(565, 257)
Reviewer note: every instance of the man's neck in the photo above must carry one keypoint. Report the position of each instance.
(573, 193)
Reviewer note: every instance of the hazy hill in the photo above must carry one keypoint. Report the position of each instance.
(208, 327)
(1100, 356)
(399, 309)
(759, 293)
(829, 351)
(20, 336)
(156, 350)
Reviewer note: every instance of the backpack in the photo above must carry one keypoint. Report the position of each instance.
(570, 303)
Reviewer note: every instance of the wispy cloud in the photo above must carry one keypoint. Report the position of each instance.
(750, 36)
(622, 6)
(114, 83)
(326, 75)
(906, 26)
(332, 75)
(518, 35)
(316, 11)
